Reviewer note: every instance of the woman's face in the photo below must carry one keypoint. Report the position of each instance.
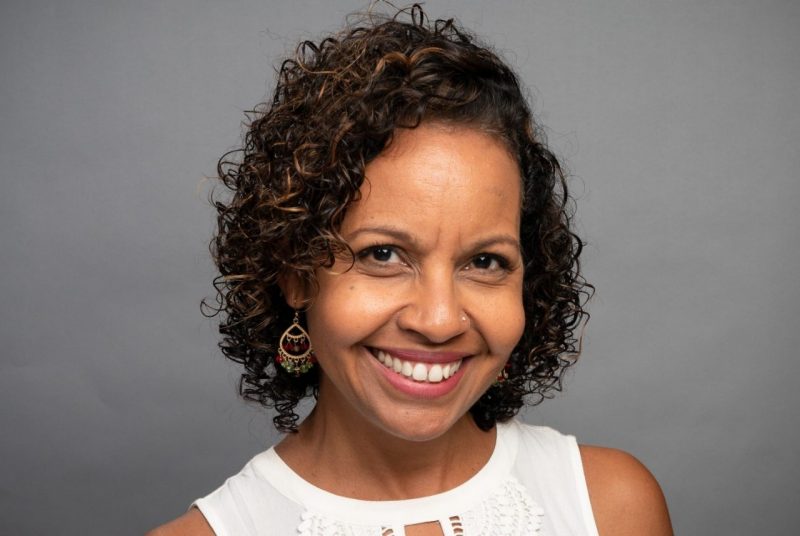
(421, 325)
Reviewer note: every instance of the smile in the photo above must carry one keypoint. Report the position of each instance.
(417, 370)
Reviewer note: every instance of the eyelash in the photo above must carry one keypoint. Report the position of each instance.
(374, 248)
(503, 263)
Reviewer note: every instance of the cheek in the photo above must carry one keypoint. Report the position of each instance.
(345, 310)
(515, 327)
(504, 318)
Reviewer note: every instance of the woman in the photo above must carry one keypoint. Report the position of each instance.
(398, 246)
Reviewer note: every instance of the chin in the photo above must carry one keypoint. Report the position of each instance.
(420, 427)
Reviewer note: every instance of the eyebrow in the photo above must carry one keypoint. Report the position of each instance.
(499, 239)
(388, 230)
(403, 236)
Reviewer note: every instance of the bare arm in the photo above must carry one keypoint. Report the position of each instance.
(626, 499)
(192, 523)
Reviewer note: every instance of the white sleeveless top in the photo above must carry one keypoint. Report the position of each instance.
(533, 484)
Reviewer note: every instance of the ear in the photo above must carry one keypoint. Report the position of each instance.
(295, 289)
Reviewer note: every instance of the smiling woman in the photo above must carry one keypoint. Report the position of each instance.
(397, 245)
(435, 290)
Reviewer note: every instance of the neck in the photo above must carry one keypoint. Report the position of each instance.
(350, 456)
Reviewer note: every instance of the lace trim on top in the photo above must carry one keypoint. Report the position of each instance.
(491, 502)
(508, 511)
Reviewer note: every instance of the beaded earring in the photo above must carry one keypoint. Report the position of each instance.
(503, 376)
(295, 353)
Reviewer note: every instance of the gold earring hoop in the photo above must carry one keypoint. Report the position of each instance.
(295, 353)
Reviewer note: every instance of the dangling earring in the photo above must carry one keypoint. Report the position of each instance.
(295, 353)
(503, 376)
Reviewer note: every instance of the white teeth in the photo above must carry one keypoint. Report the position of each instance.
(435, 374)
(419, 372)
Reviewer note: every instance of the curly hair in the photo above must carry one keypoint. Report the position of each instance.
(335, 108)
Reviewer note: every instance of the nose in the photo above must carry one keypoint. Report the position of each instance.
(434, 310)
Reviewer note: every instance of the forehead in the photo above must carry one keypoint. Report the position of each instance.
(443, 177)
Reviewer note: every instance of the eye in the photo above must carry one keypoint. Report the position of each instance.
(488, 262)
(382, 260)
(379, 254)
(382, 254)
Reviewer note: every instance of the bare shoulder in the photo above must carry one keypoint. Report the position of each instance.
(192, 523)
(626, 498)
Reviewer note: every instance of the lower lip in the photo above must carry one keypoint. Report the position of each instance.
(424, 390)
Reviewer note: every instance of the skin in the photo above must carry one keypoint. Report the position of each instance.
(438, 269)
(425, 260)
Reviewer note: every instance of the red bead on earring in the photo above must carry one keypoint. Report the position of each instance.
(295, 353)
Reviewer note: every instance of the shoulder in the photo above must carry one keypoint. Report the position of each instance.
(192, 523)
(626, 499)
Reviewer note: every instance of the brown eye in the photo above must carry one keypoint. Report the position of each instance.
(380, 254)
(484, 262)
(488, 262)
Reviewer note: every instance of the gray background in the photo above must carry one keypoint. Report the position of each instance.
(679, 122)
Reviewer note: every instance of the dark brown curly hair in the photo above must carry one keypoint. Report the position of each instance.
(335, 108)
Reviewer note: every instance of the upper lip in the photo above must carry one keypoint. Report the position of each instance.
(423, 356)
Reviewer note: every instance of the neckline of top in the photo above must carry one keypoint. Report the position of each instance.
(269, 466)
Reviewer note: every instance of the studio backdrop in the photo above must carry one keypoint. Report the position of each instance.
(678, 122)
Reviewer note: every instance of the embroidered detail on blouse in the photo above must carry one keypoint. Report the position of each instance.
(508, 511)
